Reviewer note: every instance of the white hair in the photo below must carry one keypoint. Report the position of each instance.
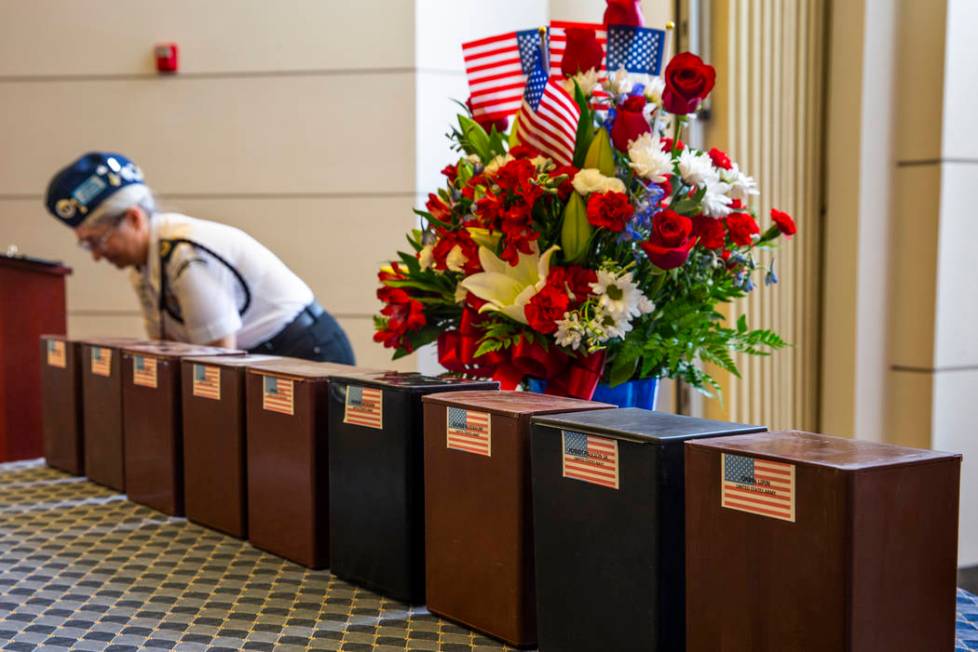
(134, 194)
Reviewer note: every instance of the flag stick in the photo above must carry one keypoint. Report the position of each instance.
(544, 53)
(666, 52)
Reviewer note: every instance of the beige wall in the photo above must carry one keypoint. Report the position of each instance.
(901, 360)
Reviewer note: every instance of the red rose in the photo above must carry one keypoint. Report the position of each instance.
(671, 239)
(710, 232)
(741, 226)
(688, 82)
(630, 122)
(488, 122)
(785, 224)
(720, 159)
(546, 307)
(582, 52)
(623, 12)
(610, 210)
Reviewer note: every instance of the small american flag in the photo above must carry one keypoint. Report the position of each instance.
(497, 68)
(469, 431)
(277, 396)
(549, 116)
(591, 459)
(207, 381)
(636, 49)
(759, 486)
(56, 354)
(144, 371)
(101, 361)
(364, 407)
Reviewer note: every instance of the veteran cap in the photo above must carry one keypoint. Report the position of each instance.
(76, 193)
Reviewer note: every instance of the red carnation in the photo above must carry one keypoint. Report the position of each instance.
(623, 12)
(742, 226)
(720, 159)
(610, 210)
(785, 224)
(582, 52)
(666, 187)
(671, 239)
(546, 307)
(630, 122)
(710, 232)
(576, 280)
(524, 151)
(688, 82)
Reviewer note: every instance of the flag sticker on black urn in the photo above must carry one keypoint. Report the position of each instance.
(469, 431)
(207, 382)
(590, 459)
(101, 361)
(364, 407)
(56, 354)
(277, 396)
(758, 486)
(144, 371)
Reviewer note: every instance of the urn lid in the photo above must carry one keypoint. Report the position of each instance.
(643, 426)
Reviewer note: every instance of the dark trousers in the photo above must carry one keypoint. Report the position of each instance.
(313, 335)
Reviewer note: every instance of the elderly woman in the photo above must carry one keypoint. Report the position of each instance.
(197, 281)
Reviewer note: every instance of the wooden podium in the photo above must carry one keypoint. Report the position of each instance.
(32, 302)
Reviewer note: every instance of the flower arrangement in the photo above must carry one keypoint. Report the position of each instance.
(602, 261)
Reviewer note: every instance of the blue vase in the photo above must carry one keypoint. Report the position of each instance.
(635, 393)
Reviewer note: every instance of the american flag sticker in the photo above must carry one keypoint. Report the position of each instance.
(144, 371)
(207, 381)
(757, 486)
(469, 431)
(101, 361)
(277, 395)
(591, 459)
(364, 407)
(56, 354)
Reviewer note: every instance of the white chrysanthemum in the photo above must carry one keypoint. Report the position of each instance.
(619, 82)
(586, 80)
(695, 168)
(426, 256)
(716, 201)
(741, 185)
(497, 163)
(570, 331)
(590, 180)
(653, 90)
(617, 294)
(647, 158)
(455, 260)
(645, 305)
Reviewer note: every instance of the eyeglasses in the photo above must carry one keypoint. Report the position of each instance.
(98, 242)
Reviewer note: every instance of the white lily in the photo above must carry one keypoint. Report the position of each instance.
(506, 288)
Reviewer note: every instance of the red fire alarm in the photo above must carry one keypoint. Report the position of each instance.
(166, 57)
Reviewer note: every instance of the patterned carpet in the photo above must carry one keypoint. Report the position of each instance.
(82, 568)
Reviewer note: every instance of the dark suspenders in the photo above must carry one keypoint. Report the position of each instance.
(166, 251)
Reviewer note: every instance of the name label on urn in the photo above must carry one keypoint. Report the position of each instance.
(469, 431)
(207, 382)
(144, 371)
(758, 486)
(590, 459)
(364, 407)
(56, 354)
